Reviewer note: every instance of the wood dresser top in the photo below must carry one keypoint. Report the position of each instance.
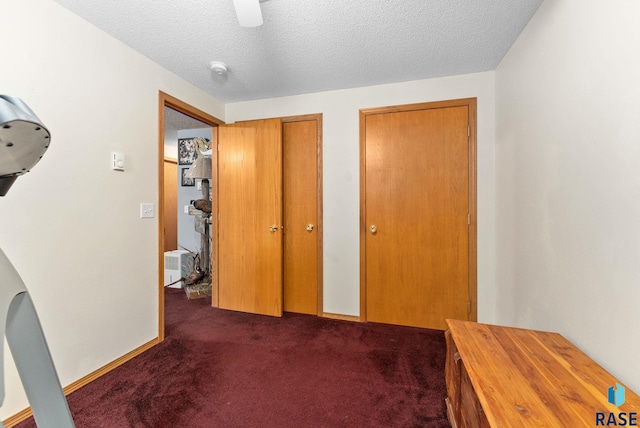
(536, 378)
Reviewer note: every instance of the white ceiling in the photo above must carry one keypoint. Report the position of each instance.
(313, 45)
(174, 121)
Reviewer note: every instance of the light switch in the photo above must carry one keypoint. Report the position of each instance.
(117, 161)
(147, 210)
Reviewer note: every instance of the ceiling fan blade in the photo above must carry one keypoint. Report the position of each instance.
(249, 13)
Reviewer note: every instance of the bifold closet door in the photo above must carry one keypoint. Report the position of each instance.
(300, 177)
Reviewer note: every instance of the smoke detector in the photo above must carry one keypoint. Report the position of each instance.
(219, 68)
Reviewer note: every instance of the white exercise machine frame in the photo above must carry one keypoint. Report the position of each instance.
(23, 141)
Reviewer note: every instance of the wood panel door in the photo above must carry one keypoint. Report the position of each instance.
(301, 228)
(416, 222)
(170, 205)
(250, 217)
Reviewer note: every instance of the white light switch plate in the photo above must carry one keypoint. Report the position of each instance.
(147, 210)
(117, 161)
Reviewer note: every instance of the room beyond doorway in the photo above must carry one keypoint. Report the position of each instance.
(173, 114)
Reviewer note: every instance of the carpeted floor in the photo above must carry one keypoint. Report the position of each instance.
(226, 369)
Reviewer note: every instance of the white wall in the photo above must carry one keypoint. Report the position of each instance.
(72, 226)
(341, 168)
(568, 179)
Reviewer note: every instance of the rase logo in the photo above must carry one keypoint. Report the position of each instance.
(615, 396)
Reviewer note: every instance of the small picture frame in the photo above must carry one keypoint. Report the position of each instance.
(186, 151)
(187, 181)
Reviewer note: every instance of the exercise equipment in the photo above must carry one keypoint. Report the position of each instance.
(23, 141)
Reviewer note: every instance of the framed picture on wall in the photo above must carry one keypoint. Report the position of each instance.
(186, 151)
(186, 181)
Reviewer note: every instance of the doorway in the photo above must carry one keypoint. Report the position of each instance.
(188, 117)
(418, 213)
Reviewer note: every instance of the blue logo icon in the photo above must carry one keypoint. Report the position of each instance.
(616, 395)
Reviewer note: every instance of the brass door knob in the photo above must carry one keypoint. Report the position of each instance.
(309, 228)
(373, 229)
(273, 228)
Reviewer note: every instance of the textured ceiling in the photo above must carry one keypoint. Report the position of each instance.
(310, 46)
(175, 121)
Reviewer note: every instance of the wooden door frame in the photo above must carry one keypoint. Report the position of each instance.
(471, 103)
(166, 100)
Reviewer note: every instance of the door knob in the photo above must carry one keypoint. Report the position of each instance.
(273, 228)
(373, 229)
(309, 227)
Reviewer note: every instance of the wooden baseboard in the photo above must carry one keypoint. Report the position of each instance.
(353, 318)
(27, 413)
(18, 417)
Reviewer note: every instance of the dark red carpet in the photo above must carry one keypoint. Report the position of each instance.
(226, 369)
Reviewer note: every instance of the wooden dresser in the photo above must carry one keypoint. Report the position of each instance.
(509, 377)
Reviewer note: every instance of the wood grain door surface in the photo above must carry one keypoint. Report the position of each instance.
(417, 197)
(300, 212)
(250, 203)
(170, 205)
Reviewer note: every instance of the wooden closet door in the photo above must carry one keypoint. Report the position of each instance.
(300, 176)
(250, 217)
(417, 201)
